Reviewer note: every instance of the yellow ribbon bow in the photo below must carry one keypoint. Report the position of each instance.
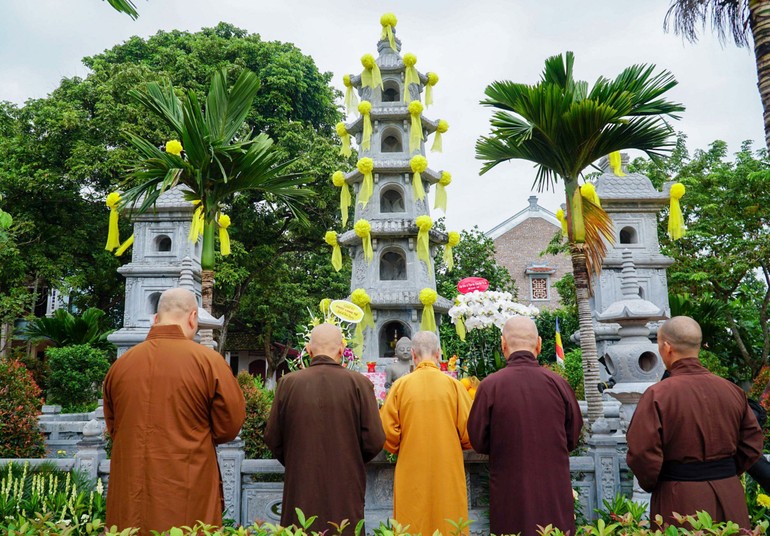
(365, 107)
(410, 74)
(351, 101)
(616, 164)
(363, 230)
(460, 328)
(415, 133)
(428, 297)
(442, 127)
(443, 182)
(370, 76)
(389, 21)
(113, 232)
(424, 224)
(338, 179)
(365, 167)
(418, 164)
(124, 246)
(331, 238)
(198, 222)
(454, 239)
(560, 216)
(362, 299)
(224, 237)
(432, 81)
(675, 217)
(589, 192)
(342, 132)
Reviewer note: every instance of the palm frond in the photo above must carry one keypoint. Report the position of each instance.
(727, 17)
(599, 234)
(226, 110)
(163, 102)
(125, 6)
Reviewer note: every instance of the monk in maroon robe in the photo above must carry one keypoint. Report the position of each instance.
(528, 420)
(692, 434)
(167, 402)
(323, 427)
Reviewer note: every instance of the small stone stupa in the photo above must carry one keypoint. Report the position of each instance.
(392, 244)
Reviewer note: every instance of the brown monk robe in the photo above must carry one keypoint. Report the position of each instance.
(528, 420)
(323, 427)
(692, 434)
(167, 402)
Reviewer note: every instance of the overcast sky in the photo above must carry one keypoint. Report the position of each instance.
(468, 44)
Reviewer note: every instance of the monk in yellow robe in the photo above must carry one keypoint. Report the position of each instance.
(425, 418)
(167, 402)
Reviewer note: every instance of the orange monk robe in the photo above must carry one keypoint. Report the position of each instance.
(167, 402)
(425, 418)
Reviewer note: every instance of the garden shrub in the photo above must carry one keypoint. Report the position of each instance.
(259, 400)
(758, 386)
(20, 435)
(76, 376)
(573, 371)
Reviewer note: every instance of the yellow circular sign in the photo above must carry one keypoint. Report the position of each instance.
(347, 311)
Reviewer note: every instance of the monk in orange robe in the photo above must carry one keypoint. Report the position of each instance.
(692, 434)
(425, 418)
(167, 402)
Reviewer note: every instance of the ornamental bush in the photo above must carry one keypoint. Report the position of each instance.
(20, 403)
(259, 400)
(76, 376)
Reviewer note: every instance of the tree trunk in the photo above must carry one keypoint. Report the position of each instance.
(587, 337)
(759, 19)
(207, 294)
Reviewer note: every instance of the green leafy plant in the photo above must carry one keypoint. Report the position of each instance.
(20, 404)
(259, 400)
(75, 377)
(64, 329)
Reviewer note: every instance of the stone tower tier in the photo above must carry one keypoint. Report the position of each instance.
(390, 112)
(404, 299)
(393, 228)
(393, 167)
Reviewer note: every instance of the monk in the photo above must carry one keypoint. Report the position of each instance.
(528, 420)
(323, 427)
(692, 434)
(425, 418)
(167, 402)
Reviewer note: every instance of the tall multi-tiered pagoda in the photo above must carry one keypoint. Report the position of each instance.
(392, 242)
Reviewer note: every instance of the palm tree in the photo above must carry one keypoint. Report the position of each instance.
(66, 329)
(221, 157)
(125, 6)
(563, 128)
(736, 19)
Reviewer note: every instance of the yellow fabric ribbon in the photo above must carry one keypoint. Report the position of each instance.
(415, 133)
(675, 217)
(460, 328)
(365, 107)
(365, 167)
(362, 299)
(124, 246)
(224, 236)
(424, 224)
(442, 127)
(560, 216)
(428, 297)
(410, 74)
(418, 164)
(443, 182)
(198, 222)
(113, 232)
(338, 179)
(589, 192)
(323, 305)
(616, 164)
(363, 230)
(389, 21)
(174, 147)
(351, 101)
(432, 81)
(331, 238)
(454, 239)
(342, 132)
(370, 76)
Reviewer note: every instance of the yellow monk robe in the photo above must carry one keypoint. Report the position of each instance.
(425, 420)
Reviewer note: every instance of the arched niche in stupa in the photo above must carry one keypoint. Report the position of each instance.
(391, 141)
(390, 333)
(393, 265)
(392, 200)
(391, 91)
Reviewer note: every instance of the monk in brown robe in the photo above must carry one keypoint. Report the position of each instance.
(323, 427)
(528, 420)
(167, 402)
(692, 434)
(425, 418)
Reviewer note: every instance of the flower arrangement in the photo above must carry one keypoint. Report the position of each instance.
(349, 358)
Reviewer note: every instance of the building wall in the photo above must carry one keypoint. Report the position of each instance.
(520, 247)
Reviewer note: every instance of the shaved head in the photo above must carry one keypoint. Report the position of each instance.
(425, 346)
(326, 339)
(682, 333)
(520, 333)
(178, 306)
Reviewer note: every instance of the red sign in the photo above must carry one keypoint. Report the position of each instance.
(469, 284)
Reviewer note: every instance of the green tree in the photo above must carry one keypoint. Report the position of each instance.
(76, 376)
(741, 20)
(563, 127)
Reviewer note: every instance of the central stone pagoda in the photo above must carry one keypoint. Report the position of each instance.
(391, 184)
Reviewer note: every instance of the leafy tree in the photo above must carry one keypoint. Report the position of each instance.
(66, 329)
(563, 127)
(20, 436)
(76, 376)
(736, 19)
